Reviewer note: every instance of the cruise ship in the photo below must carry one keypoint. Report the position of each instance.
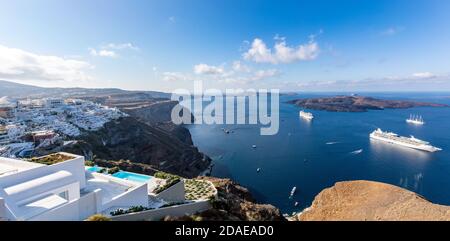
(410, 142)
(416, 120)
(306, 115)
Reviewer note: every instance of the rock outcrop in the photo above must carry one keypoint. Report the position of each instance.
(374, 201)
(234, 203)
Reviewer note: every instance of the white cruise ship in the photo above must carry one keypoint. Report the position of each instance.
(416, 120)
(306, 115)
(410, 142)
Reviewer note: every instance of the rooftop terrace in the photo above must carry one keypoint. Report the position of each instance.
(51, 159)
(10, 166)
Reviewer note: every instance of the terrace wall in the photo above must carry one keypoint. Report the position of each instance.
(88, 204)
(158, 214)
(67, 212)
(175, 193)
(137, 196)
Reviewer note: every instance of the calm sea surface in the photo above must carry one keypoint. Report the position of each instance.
(313, 156)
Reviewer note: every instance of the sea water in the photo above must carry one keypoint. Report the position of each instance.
(334, 147)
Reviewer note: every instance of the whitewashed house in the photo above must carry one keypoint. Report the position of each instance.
(62, 191)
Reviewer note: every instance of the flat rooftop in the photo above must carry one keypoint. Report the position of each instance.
(10, 166)
(110, 189)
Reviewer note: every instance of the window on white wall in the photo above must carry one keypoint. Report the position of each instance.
(64, 195)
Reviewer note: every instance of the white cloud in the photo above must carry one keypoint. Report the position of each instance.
(208, 69)
(391, 31)
(248, 77)
(110, 50)
(424, 75)
(17, 64)
(260, 53)
(237, 74)
(174, 76)
(120, 46)
(240, 67)
(423, 81)
(263, 74)
(103, 53)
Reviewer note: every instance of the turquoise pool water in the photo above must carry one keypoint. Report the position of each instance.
(95, 169)
(132, 176)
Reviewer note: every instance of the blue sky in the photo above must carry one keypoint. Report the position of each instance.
(163, 45)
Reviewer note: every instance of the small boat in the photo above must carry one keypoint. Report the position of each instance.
(415, 119)
(306, 115)
(258, 169)
(254, 146)
(296, 204)
(294, 189)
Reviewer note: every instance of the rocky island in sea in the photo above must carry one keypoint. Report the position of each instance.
(358, 104)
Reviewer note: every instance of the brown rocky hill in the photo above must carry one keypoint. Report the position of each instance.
(372, 201)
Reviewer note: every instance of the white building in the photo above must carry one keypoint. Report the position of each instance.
(62, 191)
(53, 102)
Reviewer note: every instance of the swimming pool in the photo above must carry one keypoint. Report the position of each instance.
(132, 176)
(95, 169)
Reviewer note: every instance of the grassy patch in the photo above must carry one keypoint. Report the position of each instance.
(51, 159)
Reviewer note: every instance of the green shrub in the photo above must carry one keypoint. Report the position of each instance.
(98, 217)
(164, 175)
(215, 203)
(133, 209)
(113, 170)
(172, 204)
(89, 163)
(117, 212)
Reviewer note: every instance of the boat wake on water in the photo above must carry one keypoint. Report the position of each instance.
(332, 143)
(356, 152)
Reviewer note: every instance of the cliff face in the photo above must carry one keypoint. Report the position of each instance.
(145, 147)
(158, 115)
(234, 203)
(366, 200)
